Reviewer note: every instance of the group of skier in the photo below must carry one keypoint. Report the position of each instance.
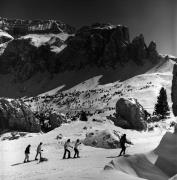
(68, 146)
(38, 152)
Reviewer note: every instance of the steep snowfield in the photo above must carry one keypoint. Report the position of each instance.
(89, 166)
(101, 92)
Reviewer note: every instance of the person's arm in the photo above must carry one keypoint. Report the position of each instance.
(129, 142)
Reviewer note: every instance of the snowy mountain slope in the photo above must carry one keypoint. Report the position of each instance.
(95, 96)
(92, 159)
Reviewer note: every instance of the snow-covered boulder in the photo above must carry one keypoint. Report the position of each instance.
(130, 114)
(102, 139)
(16, 115)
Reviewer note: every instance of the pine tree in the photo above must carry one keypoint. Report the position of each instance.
(161, 107)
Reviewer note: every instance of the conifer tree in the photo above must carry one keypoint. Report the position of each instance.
(161, 107)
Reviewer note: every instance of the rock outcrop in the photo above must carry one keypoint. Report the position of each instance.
(55, 120)
(130, 114)
(99, 45)
(23, 60)
(102, 139)
(106, 46)
(15, 115)
(18, 27)
(174, 90)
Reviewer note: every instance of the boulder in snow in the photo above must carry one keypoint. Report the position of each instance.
(102, 139)
(130, 114)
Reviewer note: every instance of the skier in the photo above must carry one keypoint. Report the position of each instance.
(27, 152)
(38, 151)
(123, 140)
(76, 150)
(66, 149)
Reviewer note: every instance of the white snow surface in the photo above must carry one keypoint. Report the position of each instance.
(92, 162)
(95, 94)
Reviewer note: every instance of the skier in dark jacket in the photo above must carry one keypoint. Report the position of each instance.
(76, 150)
(66, 149)
(123, 140)
(27, 152)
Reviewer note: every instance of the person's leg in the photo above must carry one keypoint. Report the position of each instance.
(121, 152)
(75, 153)
(124, 150)
(64, 156)
(25, 158)
(69, 154)
(36, 155)
(40, 156)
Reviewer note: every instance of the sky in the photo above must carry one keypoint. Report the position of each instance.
(156, 19)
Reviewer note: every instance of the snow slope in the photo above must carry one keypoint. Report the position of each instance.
(159, 164)
(101, 92)
(89, 166)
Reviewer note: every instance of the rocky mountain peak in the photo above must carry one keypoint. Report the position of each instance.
(19, 27)
(48, 48)
(121, 31)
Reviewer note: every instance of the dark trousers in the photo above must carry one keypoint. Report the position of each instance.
(66, 151)
(76, 154)
(123, 150)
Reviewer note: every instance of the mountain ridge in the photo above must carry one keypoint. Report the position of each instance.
(19, 27)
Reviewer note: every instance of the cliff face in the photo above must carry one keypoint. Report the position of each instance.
(16, 115)
(18, 27)
(105, 46)
(174, 90)
(99, 45)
